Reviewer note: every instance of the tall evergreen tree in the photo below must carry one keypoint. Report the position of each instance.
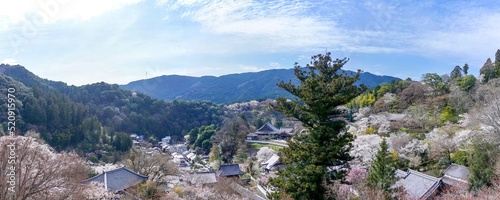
(466, 69)
(482, 159)
(323, 87)
(381, 175)
(497, 56)
(497, 64)
(456, 73)
(488, 65)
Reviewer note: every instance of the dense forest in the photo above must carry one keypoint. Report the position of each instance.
(96, 117)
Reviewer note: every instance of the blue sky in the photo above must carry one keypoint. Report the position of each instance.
(82, 42)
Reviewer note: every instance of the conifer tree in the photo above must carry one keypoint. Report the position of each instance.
(323, 87)
(466, 69)
(497, 56)
(456, 73)
(482, 160)
(497, 64)
(381, 174)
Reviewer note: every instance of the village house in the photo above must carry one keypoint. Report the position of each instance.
(190, 157)
(119, 179)
(417, 185)
(179, 159)
(271, 163)
(455, 176)
(229, 170)
(267, 131)
(179, 148)
(285, 133)
(394, 117)
(252, 136)
(166, 140)
(203, 178)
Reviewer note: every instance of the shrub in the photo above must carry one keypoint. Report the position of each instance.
(459, 157)
(179, 191)
(370, 130)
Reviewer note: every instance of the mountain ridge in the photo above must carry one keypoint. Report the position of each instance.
(230, 88)
(225, 89)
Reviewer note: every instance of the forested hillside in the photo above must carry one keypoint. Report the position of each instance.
(97, 116)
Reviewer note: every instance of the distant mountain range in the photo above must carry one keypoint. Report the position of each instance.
(221, 90)
(230, 88)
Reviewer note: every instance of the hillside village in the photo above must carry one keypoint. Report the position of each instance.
(438, 135)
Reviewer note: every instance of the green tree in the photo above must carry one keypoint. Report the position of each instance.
(215, 154)
(259, 123)
(497, 64)
(488, 70)
(456, 73)
(466, 69)
(122, 142)
(193, 135)
(231, 136)
(459, 157)
(436, 82)
(432, 79)
(384, 89)
(381, 175)
(497, 56)
(448, 115)
(323, 87)
(482, 160)
(467, 83)
(92, 130)
(204, 140)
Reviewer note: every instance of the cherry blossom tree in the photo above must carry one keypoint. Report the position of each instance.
(488, 111)
(408, 148)
(200, 192)
(264, 154)
(364, 148)
(442, 142)
(155, 165)
(39, 172)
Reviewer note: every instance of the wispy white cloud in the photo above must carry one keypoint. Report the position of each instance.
(119, 41)
(473, 35)
(51, 11)
(9, 61)
(275, 65)
(250, 68)
(272, 24)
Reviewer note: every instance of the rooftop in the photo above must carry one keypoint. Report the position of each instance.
(118, 179)
(271, 161)
(455, 174)
(417, 185)
(396, 117)
(268, 127)
(457, 171)
(230, 170)
(202, 178)
(252, 135)
(286, 130)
